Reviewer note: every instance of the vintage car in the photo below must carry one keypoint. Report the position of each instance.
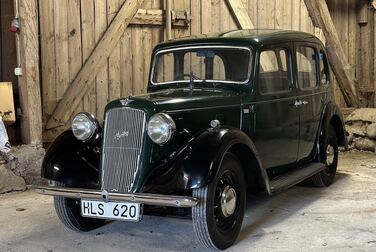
(247, 110)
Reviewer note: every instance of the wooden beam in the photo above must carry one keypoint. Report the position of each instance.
(29, 84)
(81, 83)
(319, 13)
(148, 17)
(157, 17)
(240, 14)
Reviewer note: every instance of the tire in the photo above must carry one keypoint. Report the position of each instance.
(328, 156)
(216, 228)
(68, 211)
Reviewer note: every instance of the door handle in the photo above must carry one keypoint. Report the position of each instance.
(299, 103)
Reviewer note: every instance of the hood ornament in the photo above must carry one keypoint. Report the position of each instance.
(125, 101)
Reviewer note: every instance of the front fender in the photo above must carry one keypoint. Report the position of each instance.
(198, 162)
(72, 162)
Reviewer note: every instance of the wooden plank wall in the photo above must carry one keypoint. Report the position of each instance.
(359, 49)
(69, 30)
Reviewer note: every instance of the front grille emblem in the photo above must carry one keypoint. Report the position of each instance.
(125, 101)
(120, 135)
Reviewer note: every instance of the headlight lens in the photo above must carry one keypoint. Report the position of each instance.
(84, 126)
(160, 128)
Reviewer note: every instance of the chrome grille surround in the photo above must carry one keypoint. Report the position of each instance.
(123, 137)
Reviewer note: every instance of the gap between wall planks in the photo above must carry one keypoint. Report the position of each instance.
(133, 70)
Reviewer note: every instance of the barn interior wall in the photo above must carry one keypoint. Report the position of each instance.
(70, 29)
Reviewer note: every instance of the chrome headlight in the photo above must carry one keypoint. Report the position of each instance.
(160, 128)
(84, 126)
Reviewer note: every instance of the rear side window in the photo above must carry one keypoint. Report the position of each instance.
(324, 69)
(306, 58)
(274, 74)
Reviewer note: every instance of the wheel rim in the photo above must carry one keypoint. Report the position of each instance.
(226, 203)
(329, 155)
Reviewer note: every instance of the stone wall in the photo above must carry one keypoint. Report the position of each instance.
(21, 167)
(361, 129)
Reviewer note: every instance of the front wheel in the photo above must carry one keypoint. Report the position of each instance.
(329, 156)
(68, 211)
(218, 217)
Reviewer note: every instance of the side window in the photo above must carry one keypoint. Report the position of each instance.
(306, 67)
(274, 74)
(324, 69)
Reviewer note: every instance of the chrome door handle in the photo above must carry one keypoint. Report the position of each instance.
(297, 103)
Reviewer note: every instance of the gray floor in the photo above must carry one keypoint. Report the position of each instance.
(339, 218)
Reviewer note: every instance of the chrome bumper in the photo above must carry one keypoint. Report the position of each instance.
(142, 198)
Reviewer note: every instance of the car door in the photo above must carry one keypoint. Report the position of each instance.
(275, 129)
(310, 96)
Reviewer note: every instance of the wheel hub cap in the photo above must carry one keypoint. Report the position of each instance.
(228, 201)
(329, 155)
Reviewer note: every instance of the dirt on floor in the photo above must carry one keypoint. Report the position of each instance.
(341, 217)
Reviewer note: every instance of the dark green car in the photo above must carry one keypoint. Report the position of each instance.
(247, 109)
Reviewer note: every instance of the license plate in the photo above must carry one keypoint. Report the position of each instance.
(111, 210)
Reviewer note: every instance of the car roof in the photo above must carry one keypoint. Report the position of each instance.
(250, 37)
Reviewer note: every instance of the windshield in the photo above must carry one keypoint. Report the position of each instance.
(202, 64)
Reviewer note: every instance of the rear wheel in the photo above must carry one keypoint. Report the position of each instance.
(218, 217)
(68, 211)
(329, 156)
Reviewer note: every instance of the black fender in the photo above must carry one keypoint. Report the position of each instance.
(199, 161)
(70, 161)
(332, 115)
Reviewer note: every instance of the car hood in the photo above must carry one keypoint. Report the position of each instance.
(178, 99)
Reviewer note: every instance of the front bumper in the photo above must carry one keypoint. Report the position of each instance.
(142, 198)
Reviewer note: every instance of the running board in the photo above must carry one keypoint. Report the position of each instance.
(290, 179)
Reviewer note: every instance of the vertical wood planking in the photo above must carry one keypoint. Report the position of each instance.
(252, 11)
(61, 47)
(206, 17)
(114, 72)
(47, 40)
(352, 36)
(147, 44)
(126, 64)
(88, 43)
(137, 63)
(74, 40)
(266, 14)
(295, 11)
(102, 79)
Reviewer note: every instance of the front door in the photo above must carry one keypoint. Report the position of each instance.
(276, 119)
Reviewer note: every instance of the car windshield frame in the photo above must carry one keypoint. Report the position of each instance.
(182, 48)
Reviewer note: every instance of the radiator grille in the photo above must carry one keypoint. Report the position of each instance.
(122, 145)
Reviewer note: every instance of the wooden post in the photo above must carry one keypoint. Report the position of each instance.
(81, 83)
(29, 85)
(319, 13)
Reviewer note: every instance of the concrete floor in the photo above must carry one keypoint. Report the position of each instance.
(339, 218)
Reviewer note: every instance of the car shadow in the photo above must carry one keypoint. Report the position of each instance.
(264, 211)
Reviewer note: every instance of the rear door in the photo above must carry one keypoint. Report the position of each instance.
(310, 99)
(276, 120)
